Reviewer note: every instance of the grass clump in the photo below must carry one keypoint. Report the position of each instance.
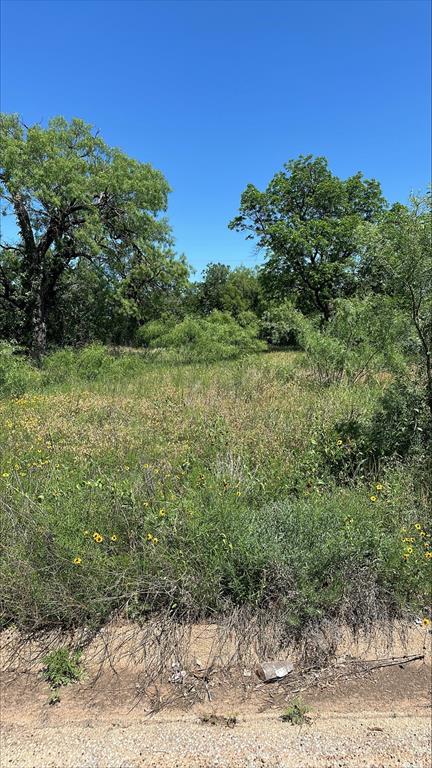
(62, 667)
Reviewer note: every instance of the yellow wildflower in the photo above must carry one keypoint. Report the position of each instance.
(77, 561)
(417, 527)
(379, 486)
(97, 537)
(162, 513)
(425, 622)
(428, 555)
(149, 537)
(339, 442)
(373, 498)
(408, 551)
(155, 540)
(113, 537)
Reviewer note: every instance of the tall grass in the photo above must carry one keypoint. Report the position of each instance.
(134, 485)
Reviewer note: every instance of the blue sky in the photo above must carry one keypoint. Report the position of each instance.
(219, 94)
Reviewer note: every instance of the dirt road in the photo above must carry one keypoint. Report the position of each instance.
(378, 719)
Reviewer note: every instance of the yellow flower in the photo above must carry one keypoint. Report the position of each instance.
(422, 533)
(379, 486)
(149, 537)
(417, 527)
(77, 561)
(97, 537)
(373, 498)
(5, 474)
(155, 540)
(408, 550)
(339, 442)
(113, 537)
(162, 513)
(425, 622)
(405, 556)
(86, 533)
(428, 555)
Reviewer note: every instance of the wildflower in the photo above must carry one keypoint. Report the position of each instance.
(379, 486)
(428, 555)
(425, 622)
(373, 498)
(405, 556)
(339, 442)
(5, 474)
(97, 537)
(149, 537)
(155, 540)
(77, 561)
(162, 513)
(86, 533)
(408, 550)
(113, 537)
(422, 533)
(417, 527)
(238, 493)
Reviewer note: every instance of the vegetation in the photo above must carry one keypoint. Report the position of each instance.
(296, 713)
(262, 444)
(61, 668)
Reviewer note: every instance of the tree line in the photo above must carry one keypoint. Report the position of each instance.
(93, 257)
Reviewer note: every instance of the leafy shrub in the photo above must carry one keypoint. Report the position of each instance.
(216, 337)
(279, 326)
(62, 667)
(17, 375)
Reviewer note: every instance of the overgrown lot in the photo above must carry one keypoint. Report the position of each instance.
(134, 486)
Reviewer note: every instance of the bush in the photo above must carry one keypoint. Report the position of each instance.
(216, 337)
(17, 375)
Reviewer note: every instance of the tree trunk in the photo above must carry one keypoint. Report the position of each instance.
(38, 330)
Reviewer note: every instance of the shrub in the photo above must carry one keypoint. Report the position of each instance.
(216, 337)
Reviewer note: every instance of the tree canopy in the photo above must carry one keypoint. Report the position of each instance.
(75, 199)
(307, 221)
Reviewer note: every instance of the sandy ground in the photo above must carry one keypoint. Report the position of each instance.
(378, 718)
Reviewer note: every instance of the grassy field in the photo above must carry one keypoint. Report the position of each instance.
(139, 487)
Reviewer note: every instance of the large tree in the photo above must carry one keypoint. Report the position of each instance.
(307, 221)
(75, 199)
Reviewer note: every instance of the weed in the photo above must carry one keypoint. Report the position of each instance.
(62, 667)
(296, 713)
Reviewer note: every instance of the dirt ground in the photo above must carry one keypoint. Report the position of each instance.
(368, 710)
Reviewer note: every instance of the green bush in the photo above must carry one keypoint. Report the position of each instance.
(216, 337)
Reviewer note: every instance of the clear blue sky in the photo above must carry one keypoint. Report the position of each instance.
(219, 94)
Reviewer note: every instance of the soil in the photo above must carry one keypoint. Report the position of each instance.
(366, 711)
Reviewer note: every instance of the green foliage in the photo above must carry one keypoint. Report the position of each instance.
(17, 375)
(216, 337)
(78, 201)
(307, 221)
(236, 291)
(62, 667)
(296, 713)
(398, 262)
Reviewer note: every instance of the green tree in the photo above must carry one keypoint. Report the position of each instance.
(398, 263)
(307, 221)
(74, 199)
(228, 290)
